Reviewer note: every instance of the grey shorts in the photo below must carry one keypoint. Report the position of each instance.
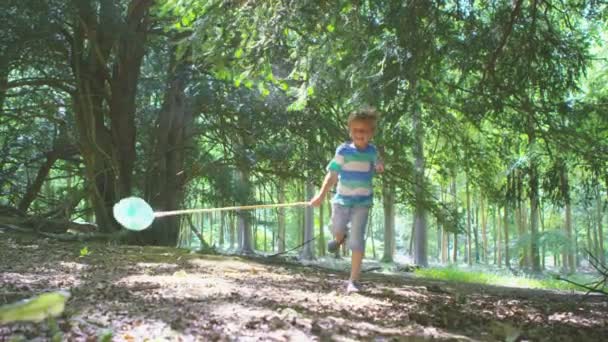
(341, 216)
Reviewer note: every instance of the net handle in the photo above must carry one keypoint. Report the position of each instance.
(242, 207)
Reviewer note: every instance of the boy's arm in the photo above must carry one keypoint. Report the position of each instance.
(330, 180)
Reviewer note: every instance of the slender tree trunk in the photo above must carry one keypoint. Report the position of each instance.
(370, 224)
(454, 197)
(388, 202)
(497, 237)
(307, 252)
(51, 157)
(506, 235)
(469, 240)
(542, 228)
(321, 243)
(420, 215)
(232, 231)
(281, 218)
(484, 227)
(476, 231)
(568, 261)
(222, 228)
(600, 216)
(244, 217)
(534, 198)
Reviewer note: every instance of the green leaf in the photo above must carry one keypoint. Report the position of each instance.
(238, 53)
(35, 309)
(331, 28)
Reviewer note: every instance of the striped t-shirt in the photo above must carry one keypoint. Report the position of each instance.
(355, 169)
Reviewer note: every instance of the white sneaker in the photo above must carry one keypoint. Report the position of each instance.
(353, 287)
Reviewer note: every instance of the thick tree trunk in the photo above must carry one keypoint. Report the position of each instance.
(165, 179)
(388, 202)
(101, 37)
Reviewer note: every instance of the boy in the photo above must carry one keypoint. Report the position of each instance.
(352, 168)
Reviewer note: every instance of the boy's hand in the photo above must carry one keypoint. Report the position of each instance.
(379, 167)
(316, 201)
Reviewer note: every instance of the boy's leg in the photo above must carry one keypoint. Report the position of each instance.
(357, 240)
(339, 220)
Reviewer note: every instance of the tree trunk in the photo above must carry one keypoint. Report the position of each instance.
(58, 152)
(469, 242)
(244, 216)
(388, 202)
(370, 224)
(497, 238)
(307, 252)
(105, 120)
(232, 231)
(534, 198)
(568, 261)
(165, 179)
(506, 235)
(484, 227)
(476, 232)
(454, 197)
(281, 216)
(420, 219)
(600, 216)
(222, 228)
(321, 243)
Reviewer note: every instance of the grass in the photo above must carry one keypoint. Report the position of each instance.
(489, 278)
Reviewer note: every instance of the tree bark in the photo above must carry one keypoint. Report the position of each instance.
(534, 199)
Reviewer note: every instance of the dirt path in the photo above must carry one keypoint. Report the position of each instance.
(168, 294)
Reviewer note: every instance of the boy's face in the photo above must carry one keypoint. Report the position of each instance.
(361, 132)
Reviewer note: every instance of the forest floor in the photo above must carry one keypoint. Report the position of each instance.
(140, 293)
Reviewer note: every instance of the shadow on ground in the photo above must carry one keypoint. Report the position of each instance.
(136, 293)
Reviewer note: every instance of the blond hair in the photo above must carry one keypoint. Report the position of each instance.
(368, 114)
